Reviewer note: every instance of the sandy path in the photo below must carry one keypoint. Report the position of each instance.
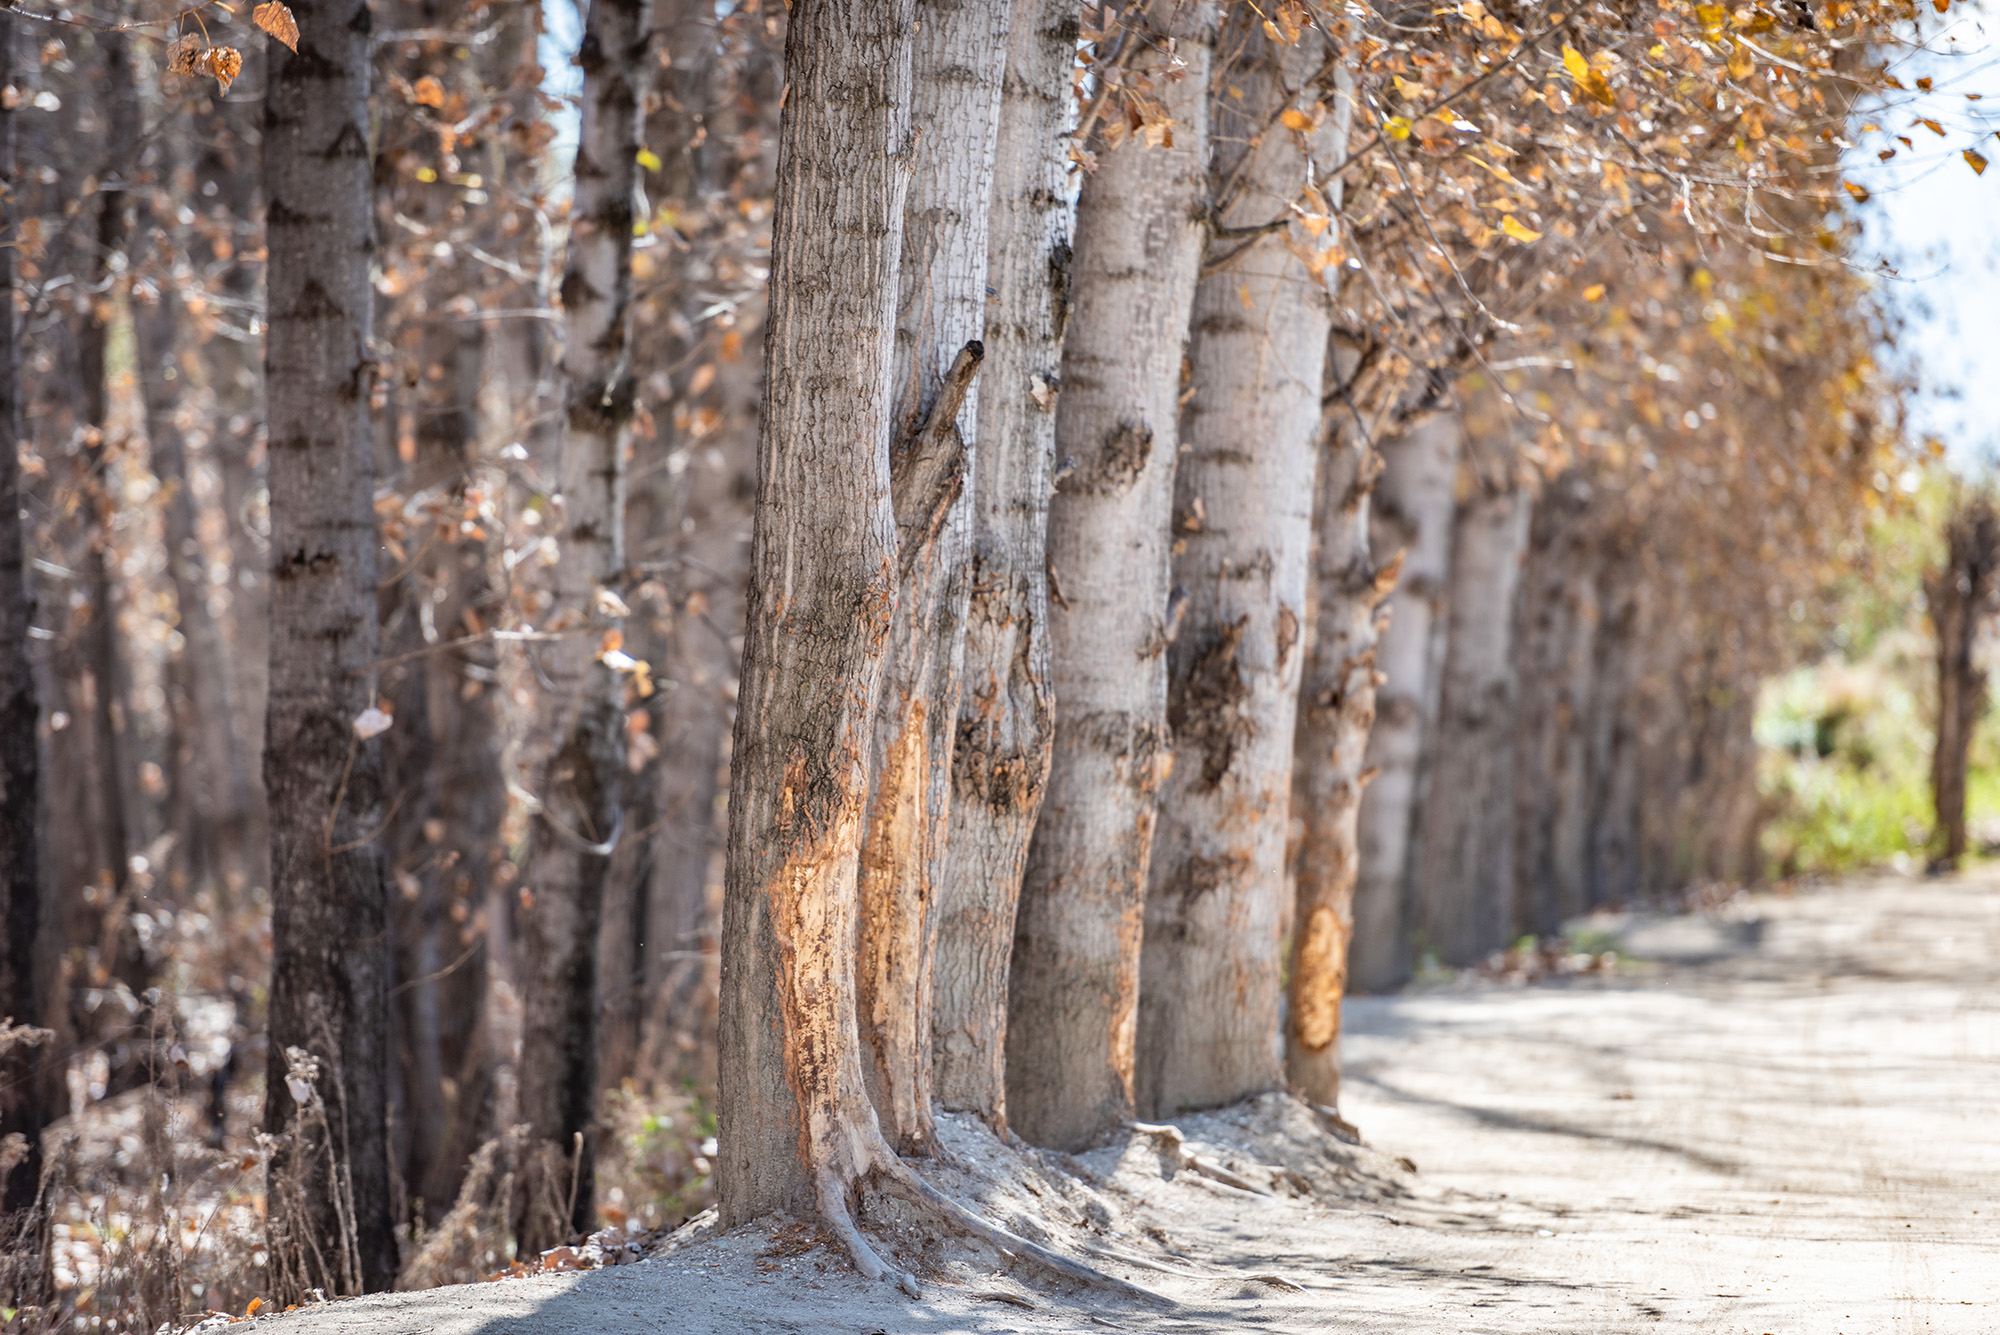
(1788, 1123)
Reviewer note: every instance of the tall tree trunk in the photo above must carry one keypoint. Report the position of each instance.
(1336, 713)
(330, 1220)
(24, 1233)
(1615, 794)
(1006, 714)
(1465, 866)
(1555, 652)
(961, 48)
(1073, 995)
(580, 789)
(1211, 974)
(797, 1130)
(1412, 514)
(1959, 595)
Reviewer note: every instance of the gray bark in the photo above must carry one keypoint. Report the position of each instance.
(961, 46)
(1211, 972)
(1412, 514)
(329, 1221)
(1073, 996)
(1465, 866)
(1006, 712)
(580, 783)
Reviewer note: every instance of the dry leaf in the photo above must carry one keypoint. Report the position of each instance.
(427, 92)
(1294, 119)
(1930, 125)
(1860, 192)
(1976, 160)
(181, 55)
(220, 63)
(277, 20)
(1520, 231)
(1595, 292)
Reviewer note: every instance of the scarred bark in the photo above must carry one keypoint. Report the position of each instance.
(956, 67)
(580, 783)
(1073, 995)
(329, 1221)
(1411, 513)
(1006, 713)
(24, 1235)
(1336, 713)
(1209, 986)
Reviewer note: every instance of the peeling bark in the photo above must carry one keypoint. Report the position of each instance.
(1211, 975)
(1073, 994)
(1411, 514)
(328, 957)
(956, 69)
(1000, 764)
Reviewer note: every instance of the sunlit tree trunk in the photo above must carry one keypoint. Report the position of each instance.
(1465, 867)
(1412, 510)
(1960, 595)
(1006, 712)
(1211, 976)
(1073, 996)
(579, 787)
(797, 1130)
(24, 1234)
(961, 47)
(330, 1215)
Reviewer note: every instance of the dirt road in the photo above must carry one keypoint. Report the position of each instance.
(1784, 1121)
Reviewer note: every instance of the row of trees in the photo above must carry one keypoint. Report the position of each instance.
(1141, 391)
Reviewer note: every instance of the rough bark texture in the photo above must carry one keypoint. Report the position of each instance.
(1465, 869)
(1211, 975)
(1006, 715)
(1554, 650)
(797, 1131)
(1960, 595)
(580, 785)
(1412, 511)
(24, 1233)
(329, 1221)
(1073, 995)
(1336, 712)
(961, 47)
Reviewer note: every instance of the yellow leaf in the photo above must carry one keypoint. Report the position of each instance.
(1294, 119)
(1589, 81)
(255, 1303)
(1976, 160)
(1741, 66)
(648, 159)
(1595, 292)
(1859, 192)
(277, 20)
(1515, 228)
(427, 92)
(1397, 127)
(1576, 64)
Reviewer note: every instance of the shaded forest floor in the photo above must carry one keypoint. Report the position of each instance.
(1776, 1119)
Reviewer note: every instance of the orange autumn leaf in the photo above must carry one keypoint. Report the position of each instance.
(276, 19)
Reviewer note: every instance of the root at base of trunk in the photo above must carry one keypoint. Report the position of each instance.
(897, 1178)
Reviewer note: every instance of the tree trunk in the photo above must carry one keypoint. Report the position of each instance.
(961, 47)
(1073, 993)
(330, 1214)
(1006, 714)
(1412, 513)
(580, 786)
(1465, 865)
(1959, 596)
(24, 1233)
(796, 1128)
(1336, 713)
(1555, 652)
(1211, 972)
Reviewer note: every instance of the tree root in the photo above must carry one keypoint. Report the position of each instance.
(892, 1175)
